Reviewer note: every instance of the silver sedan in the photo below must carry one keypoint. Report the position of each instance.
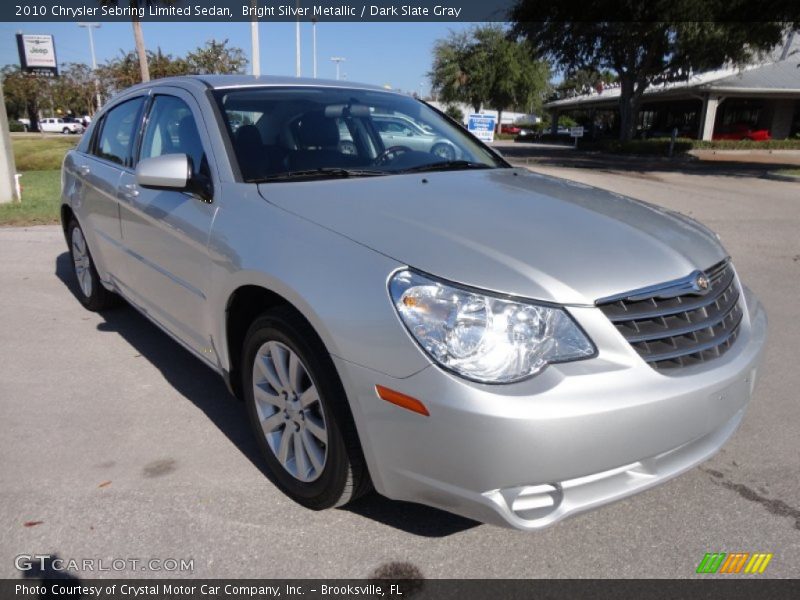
(447, 329)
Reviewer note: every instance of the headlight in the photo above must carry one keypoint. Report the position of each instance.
(481, 337)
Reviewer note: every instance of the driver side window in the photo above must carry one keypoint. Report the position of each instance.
(171, 129)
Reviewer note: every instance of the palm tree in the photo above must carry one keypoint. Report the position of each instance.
(138, 36)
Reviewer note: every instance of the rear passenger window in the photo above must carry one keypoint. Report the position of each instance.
(115, 142)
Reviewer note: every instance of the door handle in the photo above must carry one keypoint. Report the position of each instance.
(84, 169)
(129, 191)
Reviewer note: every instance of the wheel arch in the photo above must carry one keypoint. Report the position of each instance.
(243, 306)
(67, 215)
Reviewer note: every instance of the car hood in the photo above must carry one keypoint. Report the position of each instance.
(508, 230)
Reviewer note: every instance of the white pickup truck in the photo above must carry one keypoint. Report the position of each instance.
(60, 125)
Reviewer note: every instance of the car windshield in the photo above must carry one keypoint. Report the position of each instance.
(280, 134)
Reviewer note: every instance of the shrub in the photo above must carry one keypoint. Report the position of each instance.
(660, 146)
(790, 144)
(455, 113)
(652, 147)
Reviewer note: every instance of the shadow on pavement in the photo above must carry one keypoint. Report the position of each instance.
(416, 519)
(55, 583)
(206, 390)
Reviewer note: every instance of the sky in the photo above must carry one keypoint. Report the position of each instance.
(395, 54)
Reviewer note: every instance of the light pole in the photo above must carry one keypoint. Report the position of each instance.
(337, 60)
(314, 44)
(297, 71)
(89, 27)
(254, 42)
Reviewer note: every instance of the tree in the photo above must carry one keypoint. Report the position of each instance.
(216, 58)
(454, 113)
(649, 42)
(532, 84)
(457, 76)
(138, 36)
(485, 65)
(73, 91)
(24, 93)
(123, 71)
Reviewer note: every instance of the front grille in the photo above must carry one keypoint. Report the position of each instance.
(677, 324)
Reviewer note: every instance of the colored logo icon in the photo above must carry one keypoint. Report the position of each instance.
(734, 562)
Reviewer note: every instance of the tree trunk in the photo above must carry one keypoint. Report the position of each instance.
(498, 128)
(629, 101)
(33, 115)
(140, 51)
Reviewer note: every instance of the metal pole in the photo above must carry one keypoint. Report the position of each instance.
(337, 60)
(297, 70)
(8, 184)
(314, 44)
(89, 27)
(672, 141)
(255, 48)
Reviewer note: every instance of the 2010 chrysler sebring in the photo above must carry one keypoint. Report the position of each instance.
(454, 331)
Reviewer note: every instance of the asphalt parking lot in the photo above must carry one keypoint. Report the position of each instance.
(116, 443)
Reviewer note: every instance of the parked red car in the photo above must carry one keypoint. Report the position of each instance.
(743, 131)
(509, 128)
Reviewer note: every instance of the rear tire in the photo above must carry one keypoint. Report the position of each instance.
(299, 413)
(91, 292)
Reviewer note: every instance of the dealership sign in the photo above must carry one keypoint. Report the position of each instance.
(37, 54)
(482, 127)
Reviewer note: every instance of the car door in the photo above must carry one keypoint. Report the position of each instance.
(397, 133)
(166, 231)
(99, 166)
(390, 132)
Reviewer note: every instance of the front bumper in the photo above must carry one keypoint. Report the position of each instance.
(576, 436)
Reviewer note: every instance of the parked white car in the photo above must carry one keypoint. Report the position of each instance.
(60, 125)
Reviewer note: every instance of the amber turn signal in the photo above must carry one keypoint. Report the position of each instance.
(402, 400)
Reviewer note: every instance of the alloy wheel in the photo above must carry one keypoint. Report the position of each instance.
(82, 262)
(290, 411)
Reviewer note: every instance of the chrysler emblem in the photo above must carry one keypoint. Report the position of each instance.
(701, 283)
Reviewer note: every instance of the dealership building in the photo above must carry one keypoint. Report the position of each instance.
(704, 106)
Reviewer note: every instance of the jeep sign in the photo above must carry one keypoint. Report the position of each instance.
(37, 54)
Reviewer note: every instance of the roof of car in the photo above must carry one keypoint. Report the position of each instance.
(237, 81)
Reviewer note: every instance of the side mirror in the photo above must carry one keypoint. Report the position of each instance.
(172, 171)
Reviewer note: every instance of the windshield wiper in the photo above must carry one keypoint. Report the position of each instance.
(447, 165)
(322, 172)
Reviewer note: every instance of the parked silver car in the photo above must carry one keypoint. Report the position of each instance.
(400, 130)
(404, 131)
(504, 345)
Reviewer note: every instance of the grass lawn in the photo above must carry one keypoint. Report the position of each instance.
(41, 153)
(792, 172)
(41, 199)
(39, 161)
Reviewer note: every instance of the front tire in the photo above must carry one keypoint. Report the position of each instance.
(65, 131)
(299, 413)
(445, 151)
(91, 292)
